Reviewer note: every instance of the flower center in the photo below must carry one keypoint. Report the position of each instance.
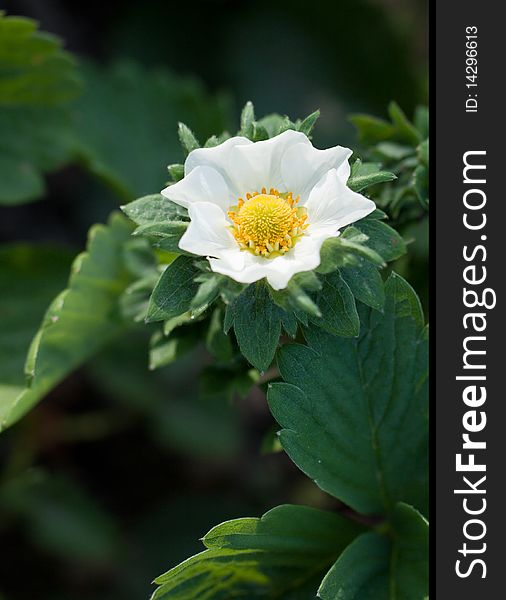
(268, 224)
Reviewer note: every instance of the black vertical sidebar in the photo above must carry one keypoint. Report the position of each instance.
(468, 253)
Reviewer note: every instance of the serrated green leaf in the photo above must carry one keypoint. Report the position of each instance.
(374, 566)
(154, 208)
(371, 394)
(174, 290)
(364, 175)
(349, 249)
(337, 307)
(79, 321)
(257, 324)
(280, 556)
(34, 70)
(366, 284)
(37, 82)
(383, 240)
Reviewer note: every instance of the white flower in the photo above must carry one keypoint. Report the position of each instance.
(264, 209)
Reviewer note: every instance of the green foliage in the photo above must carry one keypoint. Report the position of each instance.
(339, 314)
(354, 412)
(363, 175)
(125, 124)
(174, 291)
(402, 146)
(281, 556)
(379, 567)
(30, 277)
(37, 81)
(257, 323)
(79, 321)
(34, 70)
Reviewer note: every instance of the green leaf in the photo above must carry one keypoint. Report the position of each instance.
(174, 291)
(208, 291)
(309, 122)
(406, 130)
(37, 81)
(165, 236)
(275, 124)
(337, 305)
(423, 152)
(392, 151)
(421, 184)
(374, 566)
(176, 172)
(154, 208)
(421, 121)
(371, 129)
(247, 120)
(80, 320)
(218, 343)
(125, 130)
(163, 351)
(383, 240)
(30, 277)
(354, 412)
(364, 175)
(281, 556)
(187, 138)
(366, 284)
(294, 296)
(34, 70)
(349, 249)
(257, 324)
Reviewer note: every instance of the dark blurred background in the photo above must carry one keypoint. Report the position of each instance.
(115, 476)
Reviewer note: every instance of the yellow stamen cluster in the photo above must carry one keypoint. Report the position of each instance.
(268, 224)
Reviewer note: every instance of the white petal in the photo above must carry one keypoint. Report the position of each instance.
(218, 158)
(332, 205)
(208, 234)
(203, 184)
(302, 166)
(278, 271)
(259, 165)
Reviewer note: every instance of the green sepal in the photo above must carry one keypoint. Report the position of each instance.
(364, 175)
(306, 126)
(176, 172)
(187, 138)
